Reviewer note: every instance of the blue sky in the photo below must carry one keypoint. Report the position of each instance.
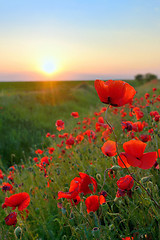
(83, 39)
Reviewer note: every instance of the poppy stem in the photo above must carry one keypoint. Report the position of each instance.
(124, 163)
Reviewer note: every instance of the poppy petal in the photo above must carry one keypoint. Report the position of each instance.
(135, 148)
(148, 160)
(124, 159)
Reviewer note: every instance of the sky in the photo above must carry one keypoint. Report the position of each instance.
(78, 39)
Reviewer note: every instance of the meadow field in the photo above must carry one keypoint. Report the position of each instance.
(28, 110)
(79, 177)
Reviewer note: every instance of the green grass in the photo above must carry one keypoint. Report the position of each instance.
(30, 109)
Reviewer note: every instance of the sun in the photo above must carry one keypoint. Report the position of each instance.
(48, 67)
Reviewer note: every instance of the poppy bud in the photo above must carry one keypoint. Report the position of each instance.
(96, 232)
(115, 167)
(98, 176)
(145, 179)
(18, 232)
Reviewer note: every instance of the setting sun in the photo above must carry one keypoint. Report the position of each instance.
(48, 67)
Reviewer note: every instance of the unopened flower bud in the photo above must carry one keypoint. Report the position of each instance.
(146, 179)
(115, 167)
(18, 232)
(96, 232)
(98, 176)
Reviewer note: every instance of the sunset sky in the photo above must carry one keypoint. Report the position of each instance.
(78, 39)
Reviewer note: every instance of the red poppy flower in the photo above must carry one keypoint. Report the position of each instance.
(38, 151)
(79, 138)
(92, 203)
(85, 182)
(125, 183)
(91, 135)
(134, 152)
(48, 135)
(11, 219)
(73, 191)
(20, 200)
(109, 148)
(51, 150)
(1, 174)
(6, 187)
(45, 160)
(137, 126)
(139, 114)
(146, 95)
(79, 185)
(145, 138)
(75, 114)
(70, 141)
(122, 161)
(60, 125)
(35, 159)
(75, 200)
(127, 238)
(127, 125)
(115, 93)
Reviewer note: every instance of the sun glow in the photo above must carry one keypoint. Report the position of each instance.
(49, 67)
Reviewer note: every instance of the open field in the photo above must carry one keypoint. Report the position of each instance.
(28, 110)
(69, 175)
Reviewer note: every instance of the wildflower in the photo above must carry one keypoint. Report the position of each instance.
(51, 150)
(11, 219)
(79, 185)
(145, 138)
(20, 200)
(35, 159)
(73, 190)
(48, 135)
(44, 161)
(124, 186)
(1, 174)
(39, 151)
(75, 114)
(115, 93)
(6, 187)
(91, 135)
(92, 202)
(85, 180)
(146, 95)
(60, 125)
(70, 141)
(128, 238)
(109, 148)
(135, 156)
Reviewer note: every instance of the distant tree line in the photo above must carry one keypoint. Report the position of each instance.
(146, 77)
